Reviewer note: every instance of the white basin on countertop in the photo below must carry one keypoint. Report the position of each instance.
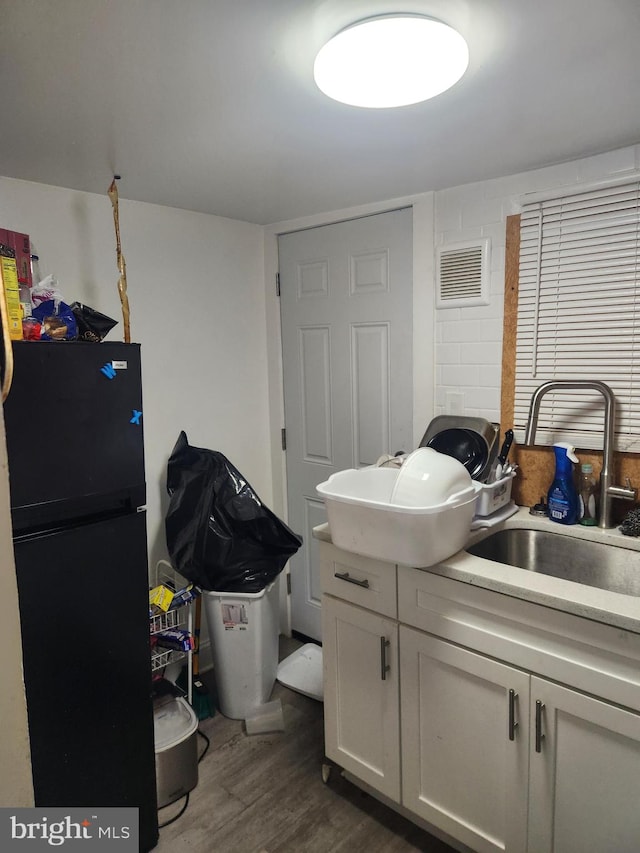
(365, 520)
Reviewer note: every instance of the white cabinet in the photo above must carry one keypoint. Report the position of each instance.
(362, 721)
(502, 760)
(360, 659)
(584, 773)
(465, 742)
(509, 727)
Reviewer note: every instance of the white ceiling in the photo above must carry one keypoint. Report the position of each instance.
(210, 105)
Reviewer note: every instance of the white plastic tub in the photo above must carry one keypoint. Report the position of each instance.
(363, 520)
(243, 629)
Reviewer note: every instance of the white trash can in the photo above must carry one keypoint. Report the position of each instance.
(243, 629)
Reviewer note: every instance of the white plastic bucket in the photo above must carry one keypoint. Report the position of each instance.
(243, 629)
(362, 519)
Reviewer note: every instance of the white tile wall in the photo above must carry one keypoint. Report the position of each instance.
(469, 340)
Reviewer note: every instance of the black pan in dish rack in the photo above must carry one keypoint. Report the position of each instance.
(484, 430)
(465, 445)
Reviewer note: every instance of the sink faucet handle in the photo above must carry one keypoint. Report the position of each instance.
(626, 492)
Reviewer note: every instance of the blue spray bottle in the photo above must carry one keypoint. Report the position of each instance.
(562, 496)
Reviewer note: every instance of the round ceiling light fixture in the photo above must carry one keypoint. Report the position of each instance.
(391, 61)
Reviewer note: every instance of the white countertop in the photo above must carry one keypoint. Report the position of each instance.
(611, 608)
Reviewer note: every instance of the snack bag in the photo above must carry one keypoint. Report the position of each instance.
(57, 320)
(92, 325)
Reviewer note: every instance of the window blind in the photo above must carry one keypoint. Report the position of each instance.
(579, 313)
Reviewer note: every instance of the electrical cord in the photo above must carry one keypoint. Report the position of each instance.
(204, 737)
(180, 813)
(186, 799)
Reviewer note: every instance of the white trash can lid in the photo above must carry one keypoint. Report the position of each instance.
(302, 671)
(174, 720)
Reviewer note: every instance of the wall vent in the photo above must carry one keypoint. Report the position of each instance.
(462, 274)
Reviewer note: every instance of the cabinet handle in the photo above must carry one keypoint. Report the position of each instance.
(539, 734)
(513, 725)
(384, 666)
(344, 576)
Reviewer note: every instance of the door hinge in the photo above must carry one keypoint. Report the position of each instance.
(278, 284)
(283, 438)
(288, 583)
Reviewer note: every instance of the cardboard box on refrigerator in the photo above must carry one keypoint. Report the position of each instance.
(21, 245)
(10, 292)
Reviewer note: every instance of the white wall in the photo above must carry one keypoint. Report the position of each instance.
(197, 298)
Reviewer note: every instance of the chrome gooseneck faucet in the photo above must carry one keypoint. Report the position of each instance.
(607, 490)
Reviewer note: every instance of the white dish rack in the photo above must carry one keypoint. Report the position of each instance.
(493, 496)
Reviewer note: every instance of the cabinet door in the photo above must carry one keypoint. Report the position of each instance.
(361, 701)
(585, 774)
(465, 742)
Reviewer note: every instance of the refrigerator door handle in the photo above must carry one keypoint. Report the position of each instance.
(7, 376)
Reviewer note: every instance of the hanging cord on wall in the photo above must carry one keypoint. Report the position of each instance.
(186, 797)
(7, 375)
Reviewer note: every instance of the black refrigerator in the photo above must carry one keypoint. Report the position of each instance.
(73, 422)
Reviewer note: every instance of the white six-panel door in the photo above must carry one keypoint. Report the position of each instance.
(346, 309)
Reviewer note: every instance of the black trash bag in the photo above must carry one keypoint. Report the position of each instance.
(220, 535)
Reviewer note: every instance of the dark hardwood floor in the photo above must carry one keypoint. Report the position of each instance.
(265, 794)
